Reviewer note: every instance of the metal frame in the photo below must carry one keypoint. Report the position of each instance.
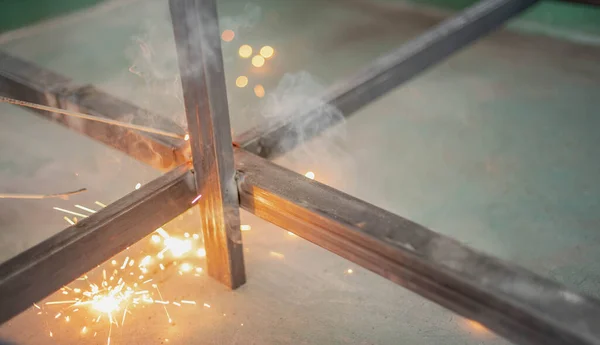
(509, 300)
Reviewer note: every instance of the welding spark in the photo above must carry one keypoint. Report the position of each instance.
(120, 289)
(85, 209)
(70, 212)
(196, 199)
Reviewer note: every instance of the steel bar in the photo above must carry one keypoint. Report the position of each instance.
(201, 68)
(55, 262)
(509, 300)
(384, 74)
(155, 150)
(25, 81)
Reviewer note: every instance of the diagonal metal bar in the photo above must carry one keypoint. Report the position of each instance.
(203, 82)
(515, 303)
(25, 81)
(384, 74)
(55, 262)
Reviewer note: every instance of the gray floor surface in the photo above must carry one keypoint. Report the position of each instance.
(497, 147)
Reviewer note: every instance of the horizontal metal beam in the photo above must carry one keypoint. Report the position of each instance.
(25, 81)
(384, 74)
(515, 303)
(55, 262)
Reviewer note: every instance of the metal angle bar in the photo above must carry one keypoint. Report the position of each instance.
(201, 68)
(517, 304)
(26, 81)
(384, 74)
(55, 262)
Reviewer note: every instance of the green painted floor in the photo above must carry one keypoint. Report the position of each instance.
(496, 147)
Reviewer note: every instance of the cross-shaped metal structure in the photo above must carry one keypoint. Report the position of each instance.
(513, 302)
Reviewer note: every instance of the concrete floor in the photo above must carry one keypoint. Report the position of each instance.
(495, 147)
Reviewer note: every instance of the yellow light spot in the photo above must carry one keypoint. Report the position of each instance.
(206, 305)
(137, 186)
(259, 91)
(162, 232)
(258, 61)
(187, 137)
(51, 335)
(69, 220)
(291, 233)
(67, 318)
(146, 260)
(349, 271)
(186, 235)
(185, 267)
(245, 227)
(155, 239)
(227, 35)
(476, 326)
(201, 252)
(114, 262)
(267, 51)
(310, 175)
(241, 81)
(178, 247)
(84, 330)
(245, 51)
(199, 269)
(195, 236)
(106, 304)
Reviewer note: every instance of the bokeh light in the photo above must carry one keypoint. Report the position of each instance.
(267, 51)
(259, 91)
(241, 81)
(227, 35)
(245, 51)
(258, 61)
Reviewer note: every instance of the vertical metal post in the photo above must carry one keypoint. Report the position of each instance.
(197, 38)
